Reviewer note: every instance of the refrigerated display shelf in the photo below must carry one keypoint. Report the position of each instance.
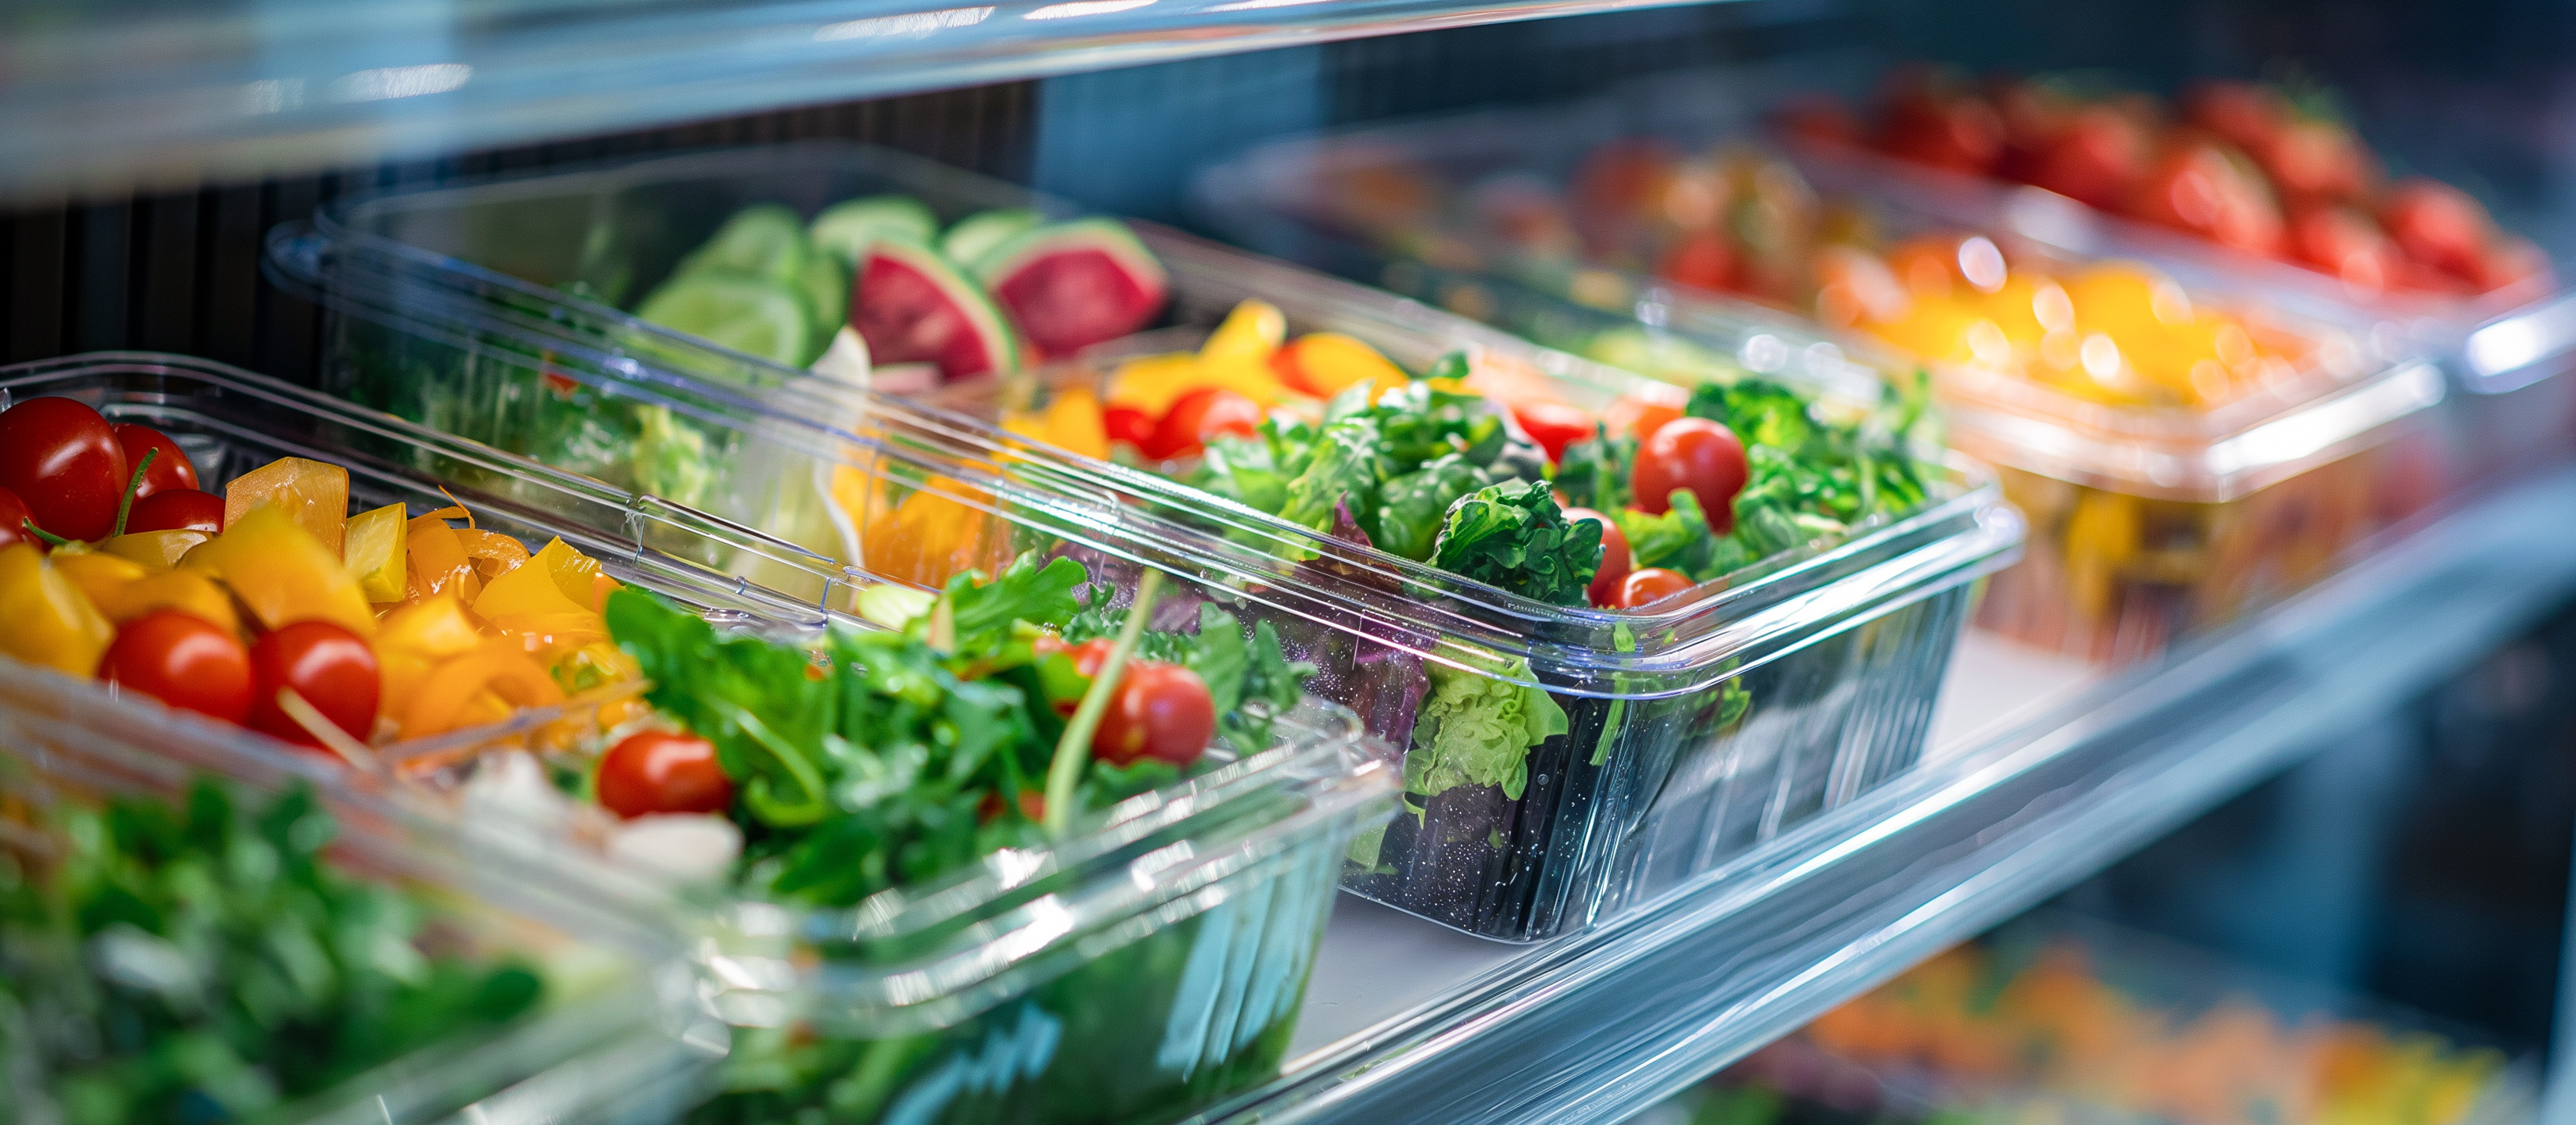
(2043, 773)
(112, 96)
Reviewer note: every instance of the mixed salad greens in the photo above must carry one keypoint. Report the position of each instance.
(206, 962)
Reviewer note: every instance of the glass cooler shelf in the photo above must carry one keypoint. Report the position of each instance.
(2042, 772)
(112, 96)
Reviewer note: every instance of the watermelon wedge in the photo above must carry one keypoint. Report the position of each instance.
(849, 227)
(912, 306)
(984, 230)
(1072, 285)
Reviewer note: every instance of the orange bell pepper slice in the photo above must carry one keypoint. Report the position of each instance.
(447, 698)
(314, 494)
(284, 574)
(494, 554)
(438, 561)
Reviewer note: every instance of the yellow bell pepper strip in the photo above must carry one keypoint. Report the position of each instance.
(187, 591)
(313, 494)
(1073, 422)
(1321, 364)
(1152, 383)
(930, 537)
(574, 573)
(526, 591)
(417, 638)
(437, 559)
(50, 622)
(99, 576)
(601, 585)
(451, 695)
(160, 550)
(373, 550)
(1249, 334)
(284, 574)
(494, 554)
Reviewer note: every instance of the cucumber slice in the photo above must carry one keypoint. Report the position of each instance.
(764, 241)
(848, 228)
(825, 282)
(747, 314)
(984, 230)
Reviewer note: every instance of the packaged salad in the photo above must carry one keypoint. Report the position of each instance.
(2186, 444)
(199, 930)
(1596, 757)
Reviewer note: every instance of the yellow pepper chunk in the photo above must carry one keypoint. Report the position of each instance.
(98, 576)
(437, 560)
(1151, 383)
(314, 494)
(576, 574)
(1323, 363)
(524, 591)
(284, 574)
(373, 550)
(1250, 333)
(417, 638)
(157, 549)
(1073, 422)
(187, 591)
(453, 695)
(51, 622)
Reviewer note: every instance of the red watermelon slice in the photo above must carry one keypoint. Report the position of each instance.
(1072, 285)
(911, 306)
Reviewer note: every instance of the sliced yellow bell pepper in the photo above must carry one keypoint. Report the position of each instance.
(446, 699)
(50, 622)
(526, 590)
(576, 574)
(187, 591)
(373, 550)
(1250, 333)
(159, 550)
(99, 576)
(1151, 383)
(1323, 363)
(493, 553)
(1073, 422)
(437, 560)
(284, 574)
(314, 494)
(1254, 381)
(435, 627)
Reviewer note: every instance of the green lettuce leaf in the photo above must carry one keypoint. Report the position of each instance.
(1414, 506)
(1594, 472)
(1344, 466)
(1478, 730)
(1515, 537)
(1040, 595)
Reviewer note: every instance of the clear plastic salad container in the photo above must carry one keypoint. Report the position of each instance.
(1691, 733)
(1144, 967)
(401, 983)
(2147, 519)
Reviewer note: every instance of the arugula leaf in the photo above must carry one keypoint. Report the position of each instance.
(1415, 505)
(1343, 467)
(1476, 729)
(1594, 472)
(1515, 537)
(1041, 596)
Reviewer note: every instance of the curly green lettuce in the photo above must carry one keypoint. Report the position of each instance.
(1475, 729)
(1515, 537)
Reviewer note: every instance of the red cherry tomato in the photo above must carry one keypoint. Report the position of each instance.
(1821, 119)
(658, 771)
(331, 667)
(1553, 425)
(1199, 416)
(1696, 454)
(64, 462)
(1128, 424)
(177, 508)
(2436, 224)
(1702, 259)
(13, 527)
(1616, 558)
(2209, 191)
(1943, 129)
(1651, 585)
(171, 469)
(1159, 711)
(182, 660)
(2510, 259)
(2244, 114)
(2314, 161)
(2339, 241)
(2095, 158)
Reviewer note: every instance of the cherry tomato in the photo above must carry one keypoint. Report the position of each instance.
(182, 660)
(2314, 161)
(659, 771)
(1616, 558)
(171, 469)
(2209, 191)
(1553, 425)
(1128, 424)
(1929, 122)
(64, 462)
(13, 527)
(1199, 416)
(1032, 806)
(2094, 158)
(177, 508)
(2436, 224)
(1821, 119)
(1624, 177)
(1159, 711)
(1651, 585)
(2244, 114)
(1702, 259)
(1641, 418)
(2339, 241)
(1696, 454)
(1087, 658)
(331, 667)
(2510, 259)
